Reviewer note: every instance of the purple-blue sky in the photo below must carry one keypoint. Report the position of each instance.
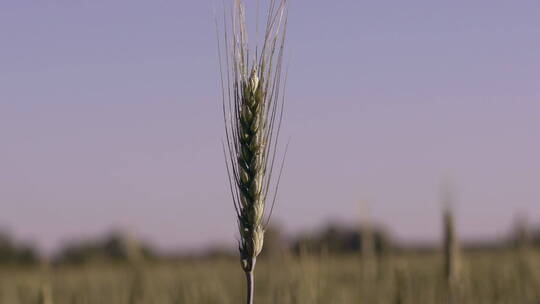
(110, 117)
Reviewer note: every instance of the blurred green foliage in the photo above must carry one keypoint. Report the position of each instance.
(113, 247)
(15, 253)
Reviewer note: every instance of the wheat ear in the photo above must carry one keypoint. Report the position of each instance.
(253, 111)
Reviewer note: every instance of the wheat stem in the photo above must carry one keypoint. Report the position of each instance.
(250, 286)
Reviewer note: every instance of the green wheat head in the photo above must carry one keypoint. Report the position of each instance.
(253, 111)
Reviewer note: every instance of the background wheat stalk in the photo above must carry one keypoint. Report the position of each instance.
(253, 110)
(452, 251)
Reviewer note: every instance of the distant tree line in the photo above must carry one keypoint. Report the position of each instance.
(334, 238)
(113, 247)
(15, 253)
(337, 238)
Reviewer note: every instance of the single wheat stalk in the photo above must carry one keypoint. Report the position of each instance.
(523, 246)
(367, 242)
(253, 109)
(45, 294)
(452, 250)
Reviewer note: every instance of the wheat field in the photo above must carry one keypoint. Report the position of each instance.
(488, 277)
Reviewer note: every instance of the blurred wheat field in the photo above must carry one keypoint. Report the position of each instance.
(489, 277)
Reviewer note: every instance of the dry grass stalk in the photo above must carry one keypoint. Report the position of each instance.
(253, 110)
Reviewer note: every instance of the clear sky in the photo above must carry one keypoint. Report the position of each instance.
(110, 117)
